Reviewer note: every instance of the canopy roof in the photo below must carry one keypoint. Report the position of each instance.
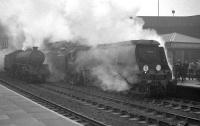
(177, 37)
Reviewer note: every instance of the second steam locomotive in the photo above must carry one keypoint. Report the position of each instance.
(27, 65)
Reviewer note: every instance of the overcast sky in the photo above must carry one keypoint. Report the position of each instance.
(182, 7)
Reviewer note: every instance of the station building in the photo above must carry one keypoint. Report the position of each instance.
(181, 34)
(182, 47)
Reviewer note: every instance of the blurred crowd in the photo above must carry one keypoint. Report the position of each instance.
(189, 70)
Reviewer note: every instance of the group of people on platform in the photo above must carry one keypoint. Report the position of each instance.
(183, 70)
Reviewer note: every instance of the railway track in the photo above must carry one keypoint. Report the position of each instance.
(173, 103)
(160, 112)
(85, 121)
(149, 112)
(89, 111)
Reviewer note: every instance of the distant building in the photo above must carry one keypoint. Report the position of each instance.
(183, 47)
(181, 34)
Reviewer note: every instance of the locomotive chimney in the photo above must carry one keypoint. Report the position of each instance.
(35, 48)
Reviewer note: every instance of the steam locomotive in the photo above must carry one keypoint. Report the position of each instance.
(142, 64)
(27, 65)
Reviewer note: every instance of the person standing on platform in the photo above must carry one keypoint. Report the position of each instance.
(191, 70)
(184, 73)
(181, 72)
(177, 69)
(198, 69)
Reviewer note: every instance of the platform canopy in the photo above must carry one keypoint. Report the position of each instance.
(177, 40)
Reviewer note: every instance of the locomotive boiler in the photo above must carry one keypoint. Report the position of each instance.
(142, 64)
(27, 65)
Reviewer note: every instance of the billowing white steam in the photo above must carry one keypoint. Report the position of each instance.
(30, 22)
(115, 66)
(97, 21)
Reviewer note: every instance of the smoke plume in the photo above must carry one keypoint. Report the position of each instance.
(115, 67)
(99, 21)
(31, 22)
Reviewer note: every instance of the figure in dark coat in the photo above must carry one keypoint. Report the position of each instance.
(177, 70)
(184, 70)
(191, 70)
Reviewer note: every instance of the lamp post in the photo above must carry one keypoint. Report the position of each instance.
(173, 12)
(158, 6)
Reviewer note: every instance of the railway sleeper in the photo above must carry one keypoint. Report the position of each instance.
(186, 108)
(101, 106)
(66, 114)
(136, 116)
(108, 108)
(133, 117)
(192, 104)
(116, 111)
(195, 110)
(143, 120)
(124, 114)
(178, 113)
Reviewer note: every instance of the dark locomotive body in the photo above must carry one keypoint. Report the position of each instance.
(155, 74)
(151, 74)
(27, 65)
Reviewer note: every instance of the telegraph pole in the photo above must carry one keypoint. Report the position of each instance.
(158, 7)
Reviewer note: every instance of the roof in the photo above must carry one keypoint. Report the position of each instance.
(131, 42)
(177, 37)
(188, 25)
(171, 20)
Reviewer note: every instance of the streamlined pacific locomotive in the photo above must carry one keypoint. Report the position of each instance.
(27, 65)
(142, 64)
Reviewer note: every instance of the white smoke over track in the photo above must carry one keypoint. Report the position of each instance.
(30, 22)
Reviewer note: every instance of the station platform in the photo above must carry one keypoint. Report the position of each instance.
(16, 110)
(190, 83)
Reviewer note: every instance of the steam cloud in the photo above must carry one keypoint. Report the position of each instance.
(31, 22)
(115, 67)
